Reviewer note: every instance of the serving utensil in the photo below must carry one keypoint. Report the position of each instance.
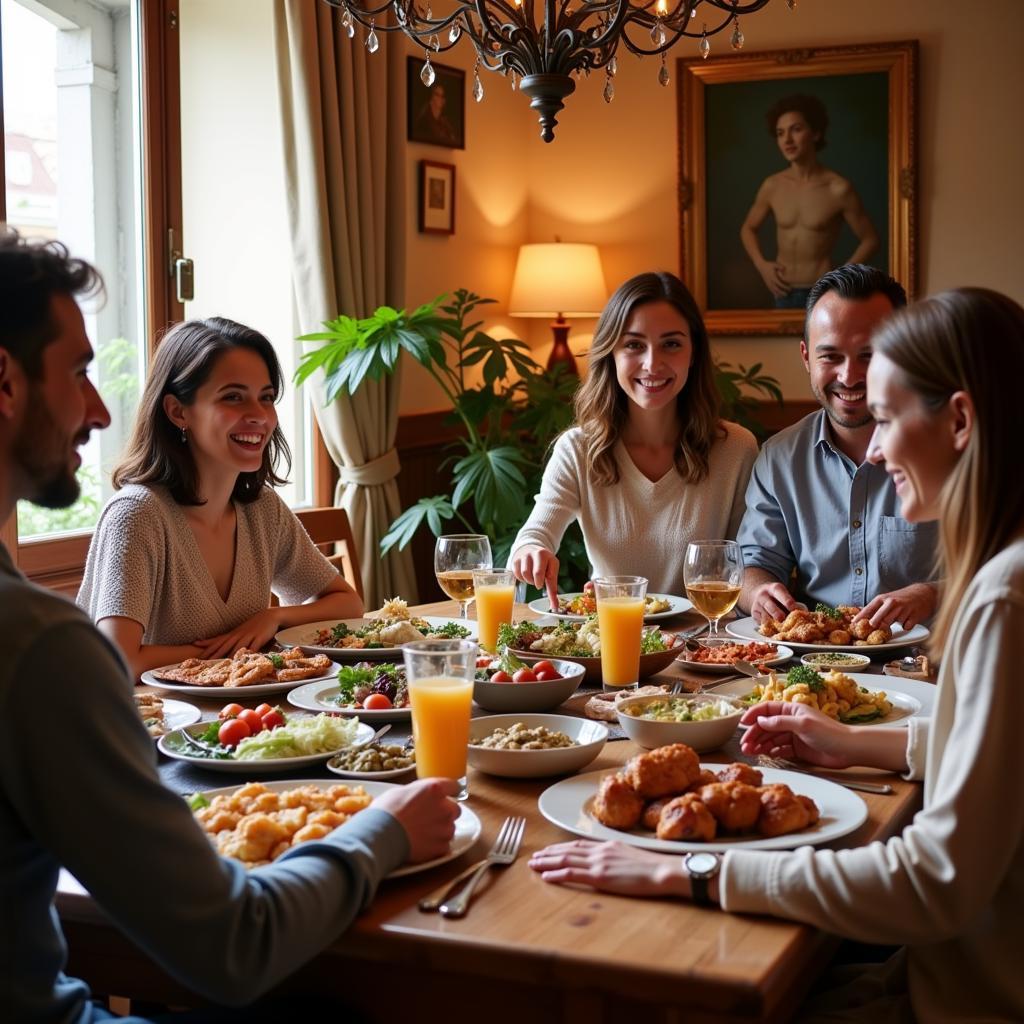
(791, 766)
(502, 853)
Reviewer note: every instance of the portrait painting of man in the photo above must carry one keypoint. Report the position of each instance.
(436, 113)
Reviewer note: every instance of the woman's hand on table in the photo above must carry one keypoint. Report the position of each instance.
(612, 867)
(539, 567)
(254, 634)
(781, 729)
(427, 813)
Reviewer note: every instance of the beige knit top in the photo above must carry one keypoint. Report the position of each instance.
(144, 564)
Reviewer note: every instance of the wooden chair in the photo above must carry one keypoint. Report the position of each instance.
(331, 531)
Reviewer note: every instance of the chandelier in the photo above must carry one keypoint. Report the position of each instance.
(540, 45)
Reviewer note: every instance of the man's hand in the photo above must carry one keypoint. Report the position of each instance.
(538, 566)
(426, 812)
(774, 276)
(772, 601)
(908, 606)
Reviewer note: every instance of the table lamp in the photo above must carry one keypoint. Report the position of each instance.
(559, 279)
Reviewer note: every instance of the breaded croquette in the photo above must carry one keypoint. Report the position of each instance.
(739, 772)
(735, 805)
(782, 811)
(617, 804)
(670, 769)
(686, 818)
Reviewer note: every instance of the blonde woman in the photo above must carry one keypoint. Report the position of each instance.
(649, 465)
(950, 888)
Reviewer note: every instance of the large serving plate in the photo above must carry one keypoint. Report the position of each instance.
(567, 804)
(467, 824)
(783, 654)
(317, 697)
(179, 713)
(746, 629)
(302, 636)
(909, 697)
(175, 747)
(240, 693)
(678, 605)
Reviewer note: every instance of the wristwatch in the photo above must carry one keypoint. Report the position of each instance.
(702, 867)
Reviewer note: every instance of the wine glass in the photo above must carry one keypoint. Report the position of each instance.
(713, 574)
(456, 555)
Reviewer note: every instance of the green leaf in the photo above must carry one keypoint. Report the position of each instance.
(432, 510)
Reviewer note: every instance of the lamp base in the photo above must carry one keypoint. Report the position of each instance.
(561, 354)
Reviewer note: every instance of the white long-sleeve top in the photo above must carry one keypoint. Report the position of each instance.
(951, 887)
(638, 526)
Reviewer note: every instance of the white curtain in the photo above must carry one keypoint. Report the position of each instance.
(346, 214)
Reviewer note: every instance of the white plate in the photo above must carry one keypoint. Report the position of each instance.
(904, 705)
(238, 693)
(316, 697)
(678, 605)
(467, 824)
(746, 629)
(784, 654)
(272, 764)
(566, 804)
(179, 713)
(297, 636)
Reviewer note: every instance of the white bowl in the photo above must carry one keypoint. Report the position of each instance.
(857, 662)
(703, 735)
(530, 764)
(542, 696)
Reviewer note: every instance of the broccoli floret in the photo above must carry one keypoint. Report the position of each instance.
(828, 611)
(805, 674)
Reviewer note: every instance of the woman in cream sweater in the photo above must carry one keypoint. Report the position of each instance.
(650, 465)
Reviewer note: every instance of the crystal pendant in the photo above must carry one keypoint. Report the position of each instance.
(427, 75)
(658, 34)
(453, 36)
(350, 29)
(613, 67)
(705, 46)
(609, 90)
(512, 79)
(435, 42)
(737, 36)
(400, 14)
(663, 77)
(372, 42)
(478, 87)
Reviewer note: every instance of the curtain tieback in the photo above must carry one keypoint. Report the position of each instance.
(373, 473)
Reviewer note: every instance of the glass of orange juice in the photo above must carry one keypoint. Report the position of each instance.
(620, 621)
(440, 675)
(713, 574)
(495, 591)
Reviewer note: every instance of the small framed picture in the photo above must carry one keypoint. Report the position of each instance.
(437, 113)
(437, 198)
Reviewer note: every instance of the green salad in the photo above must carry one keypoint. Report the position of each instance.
(569, 639)
(298, 737)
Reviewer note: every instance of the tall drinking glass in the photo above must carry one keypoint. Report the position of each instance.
(620, 619)
(495, 591)
(440, 677)
(713, 574)
(456, 555)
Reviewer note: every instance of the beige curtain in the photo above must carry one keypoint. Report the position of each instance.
(346, 214)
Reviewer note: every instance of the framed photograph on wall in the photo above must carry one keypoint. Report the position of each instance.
(437, 198)
(791, 163)
(436, 113)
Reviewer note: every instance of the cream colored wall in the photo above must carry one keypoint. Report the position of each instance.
(610, 175)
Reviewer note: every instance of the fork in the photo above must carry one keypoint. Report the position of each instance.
(503, 853)
(780, 762)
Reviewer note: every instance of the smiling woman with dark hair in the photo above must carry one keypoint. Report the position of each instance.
(186, 554)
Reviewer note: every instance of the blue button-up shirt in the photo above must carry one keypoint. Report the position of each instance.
(811, 508)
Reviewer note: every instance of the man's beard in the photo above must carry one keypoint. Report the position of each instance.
(840, 421)
(41, 452)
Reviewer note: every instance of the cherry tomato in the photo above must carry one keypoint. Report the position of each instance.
(544, 675)
(501, 677)
(272, 719)
(483, 661)
(232, 732)
(524, 675)
(262, 709)
(542, 666)
(230, 711)
(251, 719)
(377, 702)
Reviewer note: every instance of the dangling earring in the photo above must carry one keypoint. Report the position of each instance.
(184, 436)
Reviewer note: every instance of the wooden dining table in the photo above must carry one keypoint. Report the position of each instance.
(529, 950)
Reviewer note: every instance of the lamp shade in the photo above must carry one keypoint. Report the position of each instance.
(558, 279)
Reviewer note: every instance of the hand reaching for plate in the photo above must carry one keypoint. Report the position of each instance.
(538, 566)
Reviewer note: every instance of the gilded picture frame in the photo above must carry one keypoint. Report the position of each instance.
(729, 153)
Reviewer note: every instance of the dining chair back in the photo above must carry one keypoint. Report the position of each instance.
(331, 532)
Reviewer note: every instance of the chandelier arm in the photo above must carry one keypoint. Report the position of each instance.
(647, 21)
(616, 25)
(508, 56)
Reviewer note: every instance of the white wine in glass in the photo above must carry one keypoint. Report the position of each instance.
(456, 555)
(713, 574)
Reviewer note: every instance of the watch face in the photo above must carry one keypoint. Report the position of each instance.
(701, 863)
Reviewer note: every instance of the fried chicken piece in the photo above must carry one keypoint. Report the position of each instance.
(705, 778)
(616, 804)
(811, 807)
(861, 629)
(782, 811)
(805, 633)
(840, 637)
(879, 636)
(768, 628)
(686, 818)
(734, 805)
(739, 772)
(670, 769)
(652, 812)
(797, 617)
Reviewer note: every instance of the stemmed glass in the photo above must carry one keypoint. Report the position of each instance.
(456, 555)
(713, 574)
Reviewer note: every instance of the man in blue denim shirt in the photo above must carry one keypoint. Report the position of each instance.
(814, 504)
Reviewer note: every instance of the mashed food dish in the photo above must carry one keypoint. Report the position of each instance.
(679, 709)
(519, 737)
